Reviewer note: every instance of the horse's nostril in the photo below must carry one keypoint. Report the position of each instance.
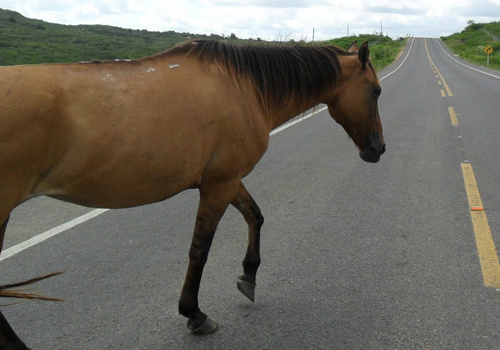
(382, 151)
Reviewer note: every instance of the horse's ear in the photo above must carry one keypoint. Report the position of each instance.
(364, 54)
(354, 46)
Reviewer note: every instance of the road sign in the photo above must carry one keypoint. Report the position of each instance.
(488, 50)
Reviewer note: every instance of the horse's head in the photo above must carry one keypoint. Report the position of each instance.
(354, 103)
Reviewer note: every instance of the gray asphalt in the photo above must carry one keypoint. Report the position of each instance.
(355, 255)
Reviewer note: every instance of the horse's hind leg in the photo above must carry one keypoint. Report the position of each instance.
(8, 339)
(251, 212)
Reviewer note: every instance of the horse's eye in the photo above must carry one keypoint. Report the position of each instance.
(376, 92)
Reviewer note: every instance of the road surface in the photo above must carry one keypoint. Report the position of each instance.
(355, 255)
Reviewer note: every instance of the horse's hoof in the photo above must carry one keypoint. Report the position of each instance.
(246, 287)
(207, 327)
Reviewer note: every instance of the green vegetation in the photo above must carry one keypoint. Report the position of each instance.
(30, 41)
(27, 41)
(383, 50)
(470, 43)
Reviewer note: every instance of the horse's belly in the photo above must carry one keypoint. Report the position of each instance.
(113, 200)
(116, 197)
(121, 186)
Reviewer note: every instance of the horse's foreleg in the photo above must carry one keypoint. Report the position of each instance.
(214, 200)
(8, 339)
(251, 212)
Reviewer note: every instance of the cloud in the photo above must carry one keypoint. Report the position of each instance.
(485, 9)
(263, 3)
(401, 10)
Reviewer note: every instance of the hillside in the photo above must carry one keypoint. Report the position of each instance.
(26, 41)
(470, 43)
(30, 41)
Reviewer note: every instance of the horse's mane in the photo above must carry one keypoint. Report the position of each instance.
(278, 73)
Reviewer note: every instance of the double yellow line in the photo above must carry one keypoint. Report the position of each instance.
(488, 257)
(446, 86)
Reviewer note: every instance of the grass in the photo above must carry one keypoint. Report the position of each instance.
(31, 41)
(470, 43)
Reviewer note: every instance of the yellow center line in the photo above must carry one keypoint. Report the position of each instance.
(448, 90)
(488, 258)
(453, 116)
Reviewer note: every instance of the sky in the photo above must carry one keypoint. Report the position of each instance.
(269, 19)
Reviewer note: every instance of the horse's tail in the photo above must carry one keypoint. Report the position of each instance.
(6, 291)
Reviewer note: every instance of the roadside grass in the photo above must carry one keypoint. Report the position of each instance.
(470, 43)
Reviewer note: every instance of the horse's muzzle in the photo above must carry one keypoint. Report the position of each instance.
(374, 148)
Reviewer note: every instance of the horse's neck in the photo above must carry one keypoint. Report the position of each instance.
(289, 111)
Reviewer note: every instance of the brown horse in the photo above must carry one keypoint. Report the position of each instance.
(127, 133)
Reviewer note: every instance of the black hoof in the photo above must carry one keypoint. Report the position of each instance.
(246, 287)
(207, 327)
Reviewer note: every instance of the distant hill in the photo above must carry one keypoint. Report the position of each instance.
(30, 41)
(470, 43)
(24, 41)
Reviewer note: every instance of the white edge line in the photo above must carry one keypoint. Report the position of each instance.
(7, 253)
(296, 121)
(395, 70)
(463, 64)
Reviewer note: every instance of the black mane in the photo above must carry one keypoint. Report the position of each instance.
(279, 73)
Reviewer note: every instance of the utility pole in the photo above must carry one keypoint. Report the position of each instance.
(347, 30)
(381, 32)
(313, 33)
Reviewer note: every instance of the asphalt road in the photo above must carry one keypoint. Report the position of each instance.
(355, 255)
